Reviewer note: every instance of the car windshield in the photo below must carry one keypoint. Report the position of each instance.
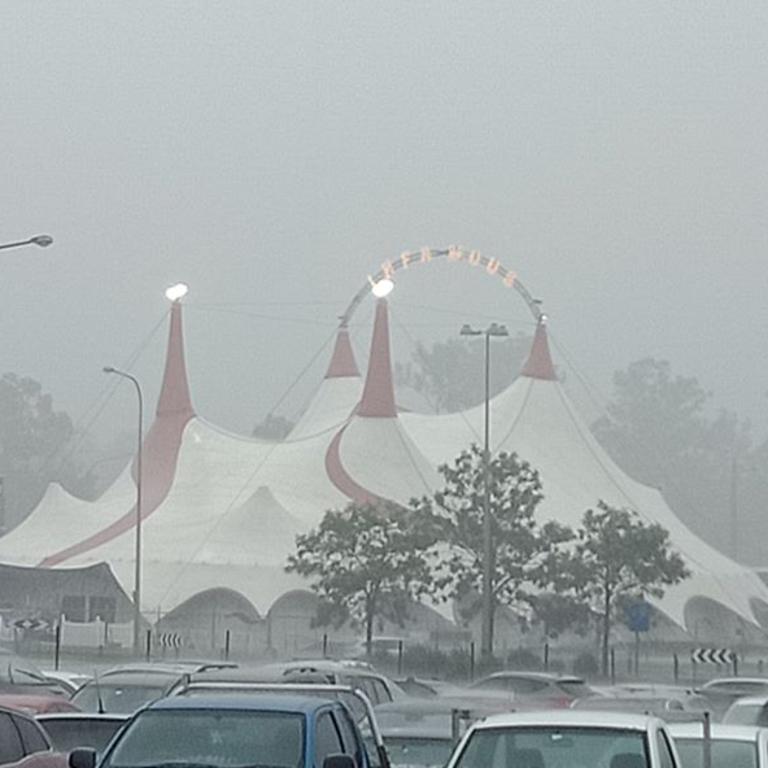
(121, 699)
(68, 733)
(407, 751)
(554, 747)
(734, 754)
(231, 738)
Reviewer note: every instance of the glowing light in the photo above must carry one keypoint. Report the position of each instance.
(177, 292)
(382, 288)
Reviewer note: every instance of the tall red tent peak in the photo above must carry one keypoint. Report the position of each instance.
(174, 394)
(343, 362)
(539, 364)
(378, 399)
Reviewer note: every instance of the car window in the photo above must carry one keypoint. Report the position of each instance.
(33, 739)
(11, 749)
(741, 754)
(382, 694)
(68, 733)
(365, 684)
(327, 739)
(525, 685)
(747, 714)
(554, 747)
(665, 752)
(348, 737)
(575, 688)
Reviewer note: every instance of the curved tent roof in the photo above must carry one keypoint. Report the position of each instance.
(535, 418)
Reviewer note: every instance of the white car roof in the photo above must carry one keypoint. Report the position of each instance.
(572, 718)
(729, 680)
(751, 701)
(717, 730)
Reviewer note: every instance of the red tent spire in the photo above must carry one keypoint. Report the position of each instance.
(343, 359)
(378, 399)
(174, 394)
(160, 451)
(539, 364)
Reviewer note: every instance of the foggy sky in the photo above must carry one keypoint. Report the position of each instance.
(273, 154)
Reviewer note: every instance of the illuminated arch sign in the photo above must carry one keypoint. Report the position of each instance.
(409, 259)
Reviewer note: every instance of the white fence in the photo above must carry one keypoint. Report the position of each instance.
(95, 634)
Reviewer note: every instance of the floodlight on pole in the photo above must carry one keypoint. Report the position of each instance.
(486, 641)
(381, 288)
(41, 240)
(137, 570)
(177, 292)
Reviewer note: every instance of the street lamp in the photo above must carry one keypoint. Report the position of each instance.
(137, 565)
(486, 637)
(42, 240)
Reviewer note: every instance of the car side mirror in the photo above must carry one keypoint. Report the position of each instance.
(332, 761)
(82, 758)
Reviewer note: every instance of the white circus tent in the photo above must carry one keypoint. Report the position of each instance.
(222, 511)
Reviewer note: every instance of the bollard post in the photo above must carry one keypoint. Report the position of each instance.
(546, 656)
(325, 645)
(613, 666)
(399, 657)
(735, 660)
(707, 744)
(471, 661)
(676, 667)
(57, 646)
(149, 644)
(637, 654)
(227, 644)
(760, 665)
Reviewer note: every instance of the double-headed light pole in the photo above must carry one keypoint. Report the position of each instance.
(137, 565)
(494, 330)
(42, 240)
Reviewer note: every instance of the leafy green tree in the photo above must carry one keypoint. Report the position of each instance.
(616, 556)
(34, 442)
(659, 429)
(367, 561)
(519, 547)
(449, 375)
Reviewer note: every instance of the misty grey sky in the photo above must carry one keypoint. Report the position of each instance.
(272, 154)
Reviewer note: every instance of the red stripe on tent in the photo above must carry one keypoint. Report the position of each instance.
(341, 478)
(160, 450)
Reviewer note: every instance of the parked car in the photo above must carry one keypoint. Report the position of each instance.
(69, 682)
(378, 688)
(733, 746)
(723, 691)
(24, 744)
(751, 710)
(423, 732)
(123, 691)
(19, 675)
(566, 739)
(426, 688)
(539, 688)
(239, 730)
(35, 703)
(666, 707)
(68, 730)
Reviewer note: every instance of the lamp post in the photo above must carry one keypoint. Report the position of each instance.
(137, 566)
(42, 240)
(486, 637)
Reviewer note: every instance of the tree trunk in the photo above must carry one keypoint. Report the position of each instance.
(370, 613)
(606, 628)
